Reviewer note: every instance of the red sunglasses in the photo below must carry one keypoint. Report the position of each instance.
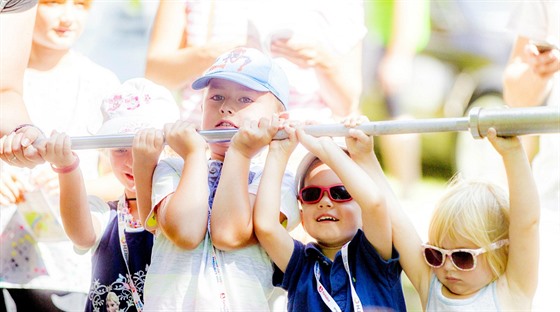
(312, 194)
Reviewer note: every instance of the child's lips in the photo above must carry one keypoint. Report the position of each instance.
(225, 124)
(62, 30)
(326, 218)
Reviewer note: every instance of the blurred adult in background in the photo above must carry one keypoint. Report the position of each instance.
(319, 46)
(532, 78)
(117, 34)
(398, 30)
(187, 37)
(62, 91)
(16, 27)
(317, 43)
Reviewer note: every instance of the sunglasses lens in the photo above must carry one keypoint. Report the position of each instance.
(433, 257)
(310, 194)
(339, 193)
(463, 260)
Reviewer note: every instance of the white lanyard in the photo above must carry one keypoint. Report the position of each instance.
(214, 172)
(327, 298)
(219, 280)
(121, 217)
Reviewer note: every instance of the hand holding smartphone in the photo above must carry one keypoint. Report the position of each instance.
(543, 46)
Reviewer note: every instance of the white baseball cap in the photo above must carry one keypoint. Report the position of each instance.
(138, 103)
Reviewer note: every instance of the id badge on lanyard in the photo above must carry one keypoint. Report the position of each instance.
(124, 250)
(326, 297)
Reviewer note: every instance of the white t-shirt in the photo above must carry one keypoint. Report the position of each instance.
(68, 100)
(186, 280)
(485, 299)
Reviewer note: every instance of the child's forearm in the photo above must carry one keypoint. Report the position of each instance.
(522, 265)
(356, 180)
(524, 198)
(143, 182)
(74, 209)
(184, 218)
(405, 237)
(231, 221)
(272, 236)
(369, 163)
(267, 202)
(375, 217)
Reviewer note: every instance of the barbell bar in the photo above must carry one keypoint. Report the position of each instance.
(506, 121)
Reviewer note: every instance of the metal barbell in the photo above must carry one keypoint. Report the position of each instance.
(506, 121)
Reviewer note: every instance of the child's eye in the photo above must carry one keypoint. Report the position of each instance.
(246, 100)
(52, 2)
(217, 98)
(82, 3)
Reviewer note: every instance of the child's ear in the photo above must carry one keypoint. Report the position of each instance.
(301, 216)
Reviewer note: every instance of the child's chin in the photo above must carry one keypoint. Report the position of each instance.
(219, 149)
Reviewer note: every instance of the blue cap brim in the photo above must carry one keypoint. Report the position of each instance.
(241, 79)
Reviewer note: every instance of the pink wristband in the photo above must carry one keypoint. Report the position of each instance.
(67, 169)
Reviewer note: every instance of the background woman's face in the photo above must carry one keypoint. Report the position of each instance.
(59, 23)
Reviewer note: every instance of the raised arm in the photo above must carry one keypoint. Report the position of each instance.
(183, 216)
(74, 209)
(340, 80)
(527, 77)
(15, 49)
(146, 149)
(336, 61)
(522, 267)
(172, 60)
(16, 146)
(272, 236)
(405, 238)
(375, 218)
(231, 224)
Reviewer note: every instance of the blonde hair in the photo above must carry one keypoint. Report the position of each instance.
(111, 296)
(477, 211)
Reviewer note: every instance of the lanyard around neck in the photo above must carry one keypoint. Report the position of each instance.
(224, 306)
(326, 297)
(122, 215)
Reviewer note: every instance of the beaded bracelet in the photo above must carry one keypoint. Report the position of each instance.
(67, 169)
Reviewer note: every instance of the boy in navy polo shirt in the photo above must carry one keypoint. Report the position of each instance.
(352, 266)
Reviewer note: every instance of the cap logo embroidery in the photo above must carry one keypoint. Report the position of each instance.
(234, 57)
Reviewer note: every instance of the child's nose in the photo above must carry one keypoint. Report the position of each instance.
(448, 263)
(68, 12)
(226, 109)
(325, 201)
